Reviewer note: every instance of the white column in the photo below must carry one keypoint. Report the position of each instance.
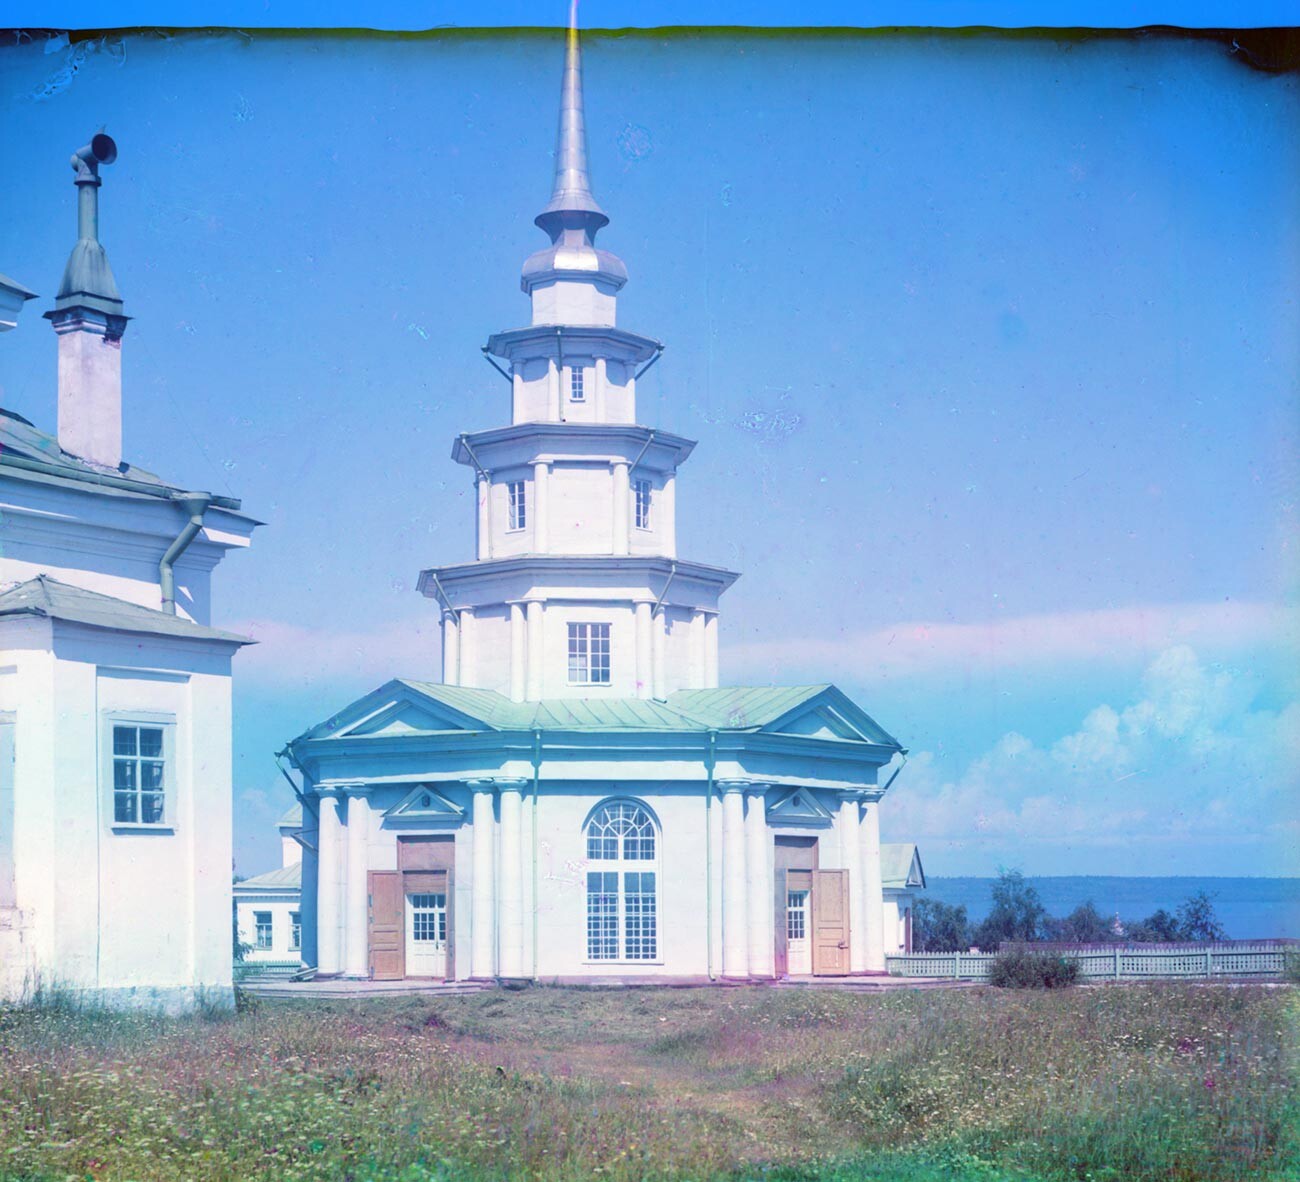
(450, 649)
(622, 506)
(758, 886)
(356, 895)
(711, 651)
(668, 515)
(698, 677)
(483, 901)
(552, 390)
(511, 880)
(328, 958)
(468, 672)
(659, 629)
(851, 860)
(534, 654)
(873, 895)
(517, 393)
(484, 537)
(518, 652)
(541, 506)
(602, 379)
(735, 919)
(644, 650)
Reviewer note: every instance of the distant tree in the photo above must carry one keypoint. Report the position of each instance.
(1084, 925)
(1196, 919)
(1193, 922)
(238, 949)
(939, 927)
(1018, 913)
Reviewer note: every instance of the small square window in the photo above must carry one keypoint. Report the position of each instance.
(643, 493)
(295, 930)
(588, 654)
(262, 930)
(518, 504)
(577, 384)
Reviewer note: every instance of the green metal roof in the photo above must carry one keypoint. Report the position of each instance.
(896, 864)
(28, 453)
(685, 710)
(51, 599)
(284, 879)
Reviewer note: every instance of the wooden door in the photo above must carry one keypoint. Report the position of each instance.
(387, 929)
(791, 854)
(830, 922)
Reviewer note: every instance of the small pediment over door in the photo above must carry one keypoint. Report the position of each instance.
(799, 807)
(427, 806)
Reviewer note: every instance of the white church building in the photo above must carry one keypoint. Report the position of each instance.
(115, 688)
(579, 797)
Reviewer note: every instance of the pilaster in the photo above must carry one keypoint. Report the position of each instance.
(622, 506)
(758, 882)
(483, 937)
(644, 649)
(450, 649)
(541, 506)
(328, 919)
(534, 656)
(357, 952)
(873, 895)
(852, 861)
(518, 652)
(735, 905)
(511, 879)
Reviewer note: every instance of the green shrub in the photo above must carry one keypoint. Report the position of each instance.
(1018, 968)
(1291, 966)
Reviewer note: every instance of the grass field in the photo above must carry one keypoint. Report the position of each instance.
(1118, 1082)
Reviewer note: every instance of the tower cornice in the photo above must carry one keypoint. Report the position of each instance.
(659, 450)
(540, 340)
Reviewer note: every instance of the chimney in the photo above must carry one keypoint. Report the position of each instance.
(89, 321)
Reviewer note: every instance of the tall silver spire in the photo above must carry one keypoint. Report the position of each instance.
(572, 192)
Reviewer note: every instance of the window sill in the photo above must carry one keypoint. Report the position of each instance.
(137, 827)
(622, 964)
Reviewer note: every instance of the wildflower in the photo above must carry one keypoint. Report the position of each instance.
(1209, 1082)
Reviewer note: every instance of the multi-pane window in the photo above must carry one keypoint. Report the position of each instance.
(622, 884)
(429, 918)
(295, 930)
(577, 388)
(796, 915)
(518, 504)
(588, 654)
(262, 930)
(139, 771)
(641, 488)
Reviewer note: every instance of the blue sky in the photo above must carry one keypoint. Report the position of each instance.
(990, 344)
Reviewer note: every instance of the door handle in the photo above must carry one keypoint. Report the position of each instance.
(843, 944)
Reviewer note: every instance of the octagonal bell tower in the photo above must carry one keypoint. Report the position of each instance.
(576, 589)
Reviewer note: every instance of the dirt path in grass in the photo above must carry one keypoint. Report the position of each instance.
(770, 1121)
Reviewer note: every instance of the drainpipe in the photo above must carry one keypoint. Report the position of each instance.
(894, 777)
(537, 772)
(672, 574)
(649, 440)
(195, 504)
(709, 762)
(488, 358)
(659, 352)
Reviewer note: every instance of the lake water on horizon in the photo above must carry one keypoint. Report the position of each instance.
(1248, 908)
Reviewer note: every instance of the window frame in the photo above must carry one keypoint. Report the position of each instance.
(586, 653)
(627, 913)
(516, 506)
(577, 383)
(148, 719)
(643, 504)
(295, 931)
(269, 925)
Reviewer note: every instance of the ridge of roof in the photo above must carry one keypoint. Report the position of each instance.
(283, 877)
(51, 598)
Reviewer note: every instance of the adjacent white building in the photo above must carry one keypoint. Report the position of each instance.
(579, 796)
(115, 734)
(268, 909)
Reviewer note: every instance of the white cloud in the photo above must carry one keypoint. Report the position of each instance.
(1193, 768)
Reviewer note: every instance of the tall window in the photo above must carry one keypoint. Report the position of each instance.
(295, 930)
(577, 389)
(642, 490)
(518, 504)
(139, 771)
(262, 929)
(588, 654)
(622, 884)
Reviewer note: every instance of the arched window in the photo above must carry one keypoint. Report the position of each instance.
(622, 883)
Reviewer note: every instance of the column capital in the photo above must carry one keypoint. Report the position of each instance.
(510, 783)
(726, 787)
(757, 787)
(866, 796)
(329, 791)
(351, 790)
(486, 785)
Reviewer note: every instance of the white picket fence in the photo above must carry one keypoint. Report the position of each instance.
(1234, 958)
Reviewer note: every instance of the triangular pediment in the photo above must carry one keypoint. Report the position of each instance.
(426, 804)
(831, 714)
(399, 708)
(799, 807)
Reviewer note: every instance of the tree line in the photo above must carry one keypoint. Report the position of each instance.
(1018, 914)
